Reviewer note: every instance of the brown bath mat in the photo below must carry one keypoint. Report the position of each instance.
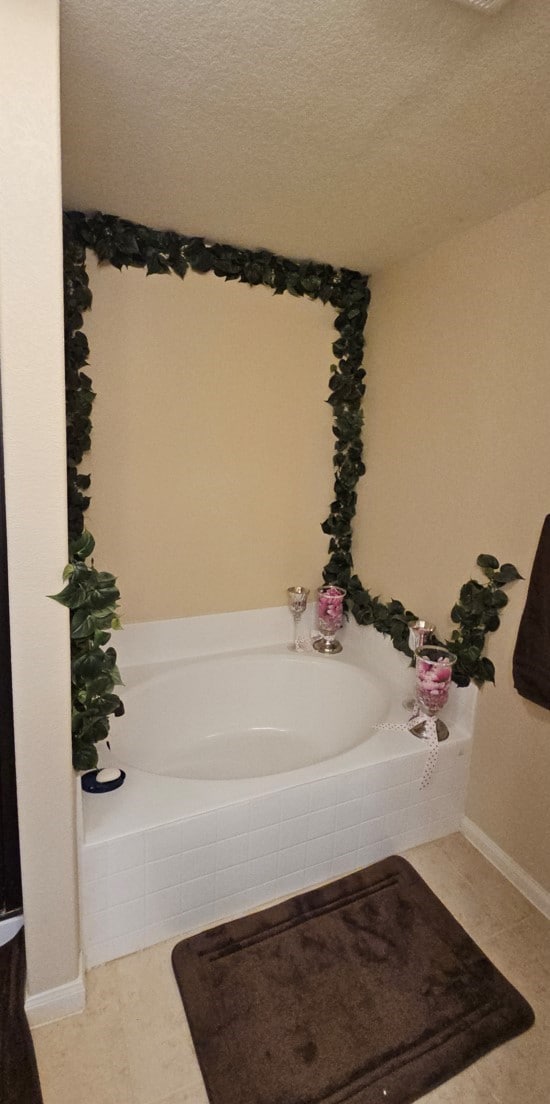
(364, 991)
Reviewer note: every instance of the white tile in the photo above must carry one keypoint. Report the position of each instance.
(343, 864)
(125, 852)
(235, 905)
(197, 863)
(164, 929)
(163, 873)
(291, 883)
(377, 777)
(374, 805)
(232, 820)
(230, 852)
(295, 802)
(348, 813)
(440, 807)
(94, 929)
(366, 856)
(161, 843)
(443, 782)
(123, 919)
(198, 919)
(198, 831)
(371, 832)
(319, 850)
(161, 905)
(323, 793)
(416, 816)
(350, 786)
(95, 896)
(401, 769)
(199, 892)
(265, 810)
(262, 870)
(321, 822)
(393, 822)
(127, 885)
(385, 801)
(109, 949)
(346, 840)
(232, 880)
(291, 859)
(94, 858)
(319, 874)
(294, 831)
(263, 841)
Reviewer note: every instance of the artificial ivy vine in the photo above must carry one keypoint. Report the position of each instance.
(92, 596)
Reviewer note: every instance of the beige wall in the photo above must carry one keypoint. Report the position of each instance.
(31, 342)
(458, 455)
(212, 447)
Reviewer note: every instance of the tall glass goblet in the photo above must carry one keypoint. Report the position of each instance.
(434, 670)
(297, 603)
(330, 608)
(420, 633)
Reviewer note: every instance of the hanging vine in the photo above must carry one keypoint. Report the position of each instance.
(92, 596)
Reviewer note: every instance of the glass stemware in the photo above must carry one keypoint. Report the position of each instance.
(434, 670)
(330, 608)
(420, 633)
(297, 603)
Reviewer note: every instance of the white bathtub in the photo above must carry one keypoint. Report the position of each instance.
(248, 715)
(252, 773)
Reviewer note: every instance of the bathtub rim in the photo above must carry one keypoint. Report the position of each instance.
(148, 801)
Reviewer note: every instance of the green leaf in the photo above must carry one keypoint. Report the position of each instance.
(488, 669)
(83, 546)
(484, 561)
(507, 573)
(85, 756)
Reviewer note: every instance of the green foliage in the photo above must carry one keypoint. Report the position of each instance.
(92, 596)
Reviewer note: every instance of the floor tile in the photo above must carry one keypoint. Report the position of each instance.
(157, 1038)
(83, 1058)
(132, 1044)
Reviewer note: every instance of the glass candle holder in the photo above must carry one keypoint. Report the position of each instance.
(434, 670)
(420, 633)
(330, 610)
(297, 603)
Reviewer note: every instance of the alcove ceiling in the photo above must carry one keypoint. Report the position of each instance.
(351, 131)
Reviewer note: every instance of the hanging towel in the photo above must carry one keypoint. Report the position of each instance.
(531, 665)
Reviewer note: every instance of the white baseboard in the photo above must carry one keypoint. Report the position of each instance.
(532, 890)
(55, 1004)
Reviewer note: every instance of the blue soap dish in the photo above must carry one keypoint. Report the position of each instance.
(90, 784)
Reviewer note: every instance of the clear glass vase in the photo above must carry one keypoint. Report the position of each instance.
(330, 613)
(434, 671)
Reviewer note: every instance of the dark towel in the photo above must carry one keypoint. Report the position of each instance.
(531, 664)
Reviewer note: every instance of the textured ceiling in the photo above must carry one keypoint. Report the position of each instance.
(351, 131)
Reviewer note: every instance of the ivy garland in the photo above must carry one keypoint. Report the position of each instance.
(92, 596)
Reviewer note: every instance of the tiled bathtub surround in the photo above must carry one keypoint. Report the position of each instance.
(276, 838)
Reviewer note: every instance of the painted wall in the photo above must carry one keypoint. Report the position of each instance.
(212, 447)
(31, 342)
(458, 455)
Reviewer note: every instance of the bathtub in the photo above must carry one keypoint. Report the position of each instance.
(252, 773)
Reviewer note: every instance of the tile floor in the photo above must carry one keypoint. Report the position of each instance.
(132, 1044)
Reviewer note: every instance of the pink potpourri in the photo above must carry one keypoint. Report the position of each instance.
(433, 682)
(331, 608)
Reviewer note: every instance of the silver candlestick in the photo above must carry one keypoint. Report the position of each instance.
(420, 633)
(297, 603)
